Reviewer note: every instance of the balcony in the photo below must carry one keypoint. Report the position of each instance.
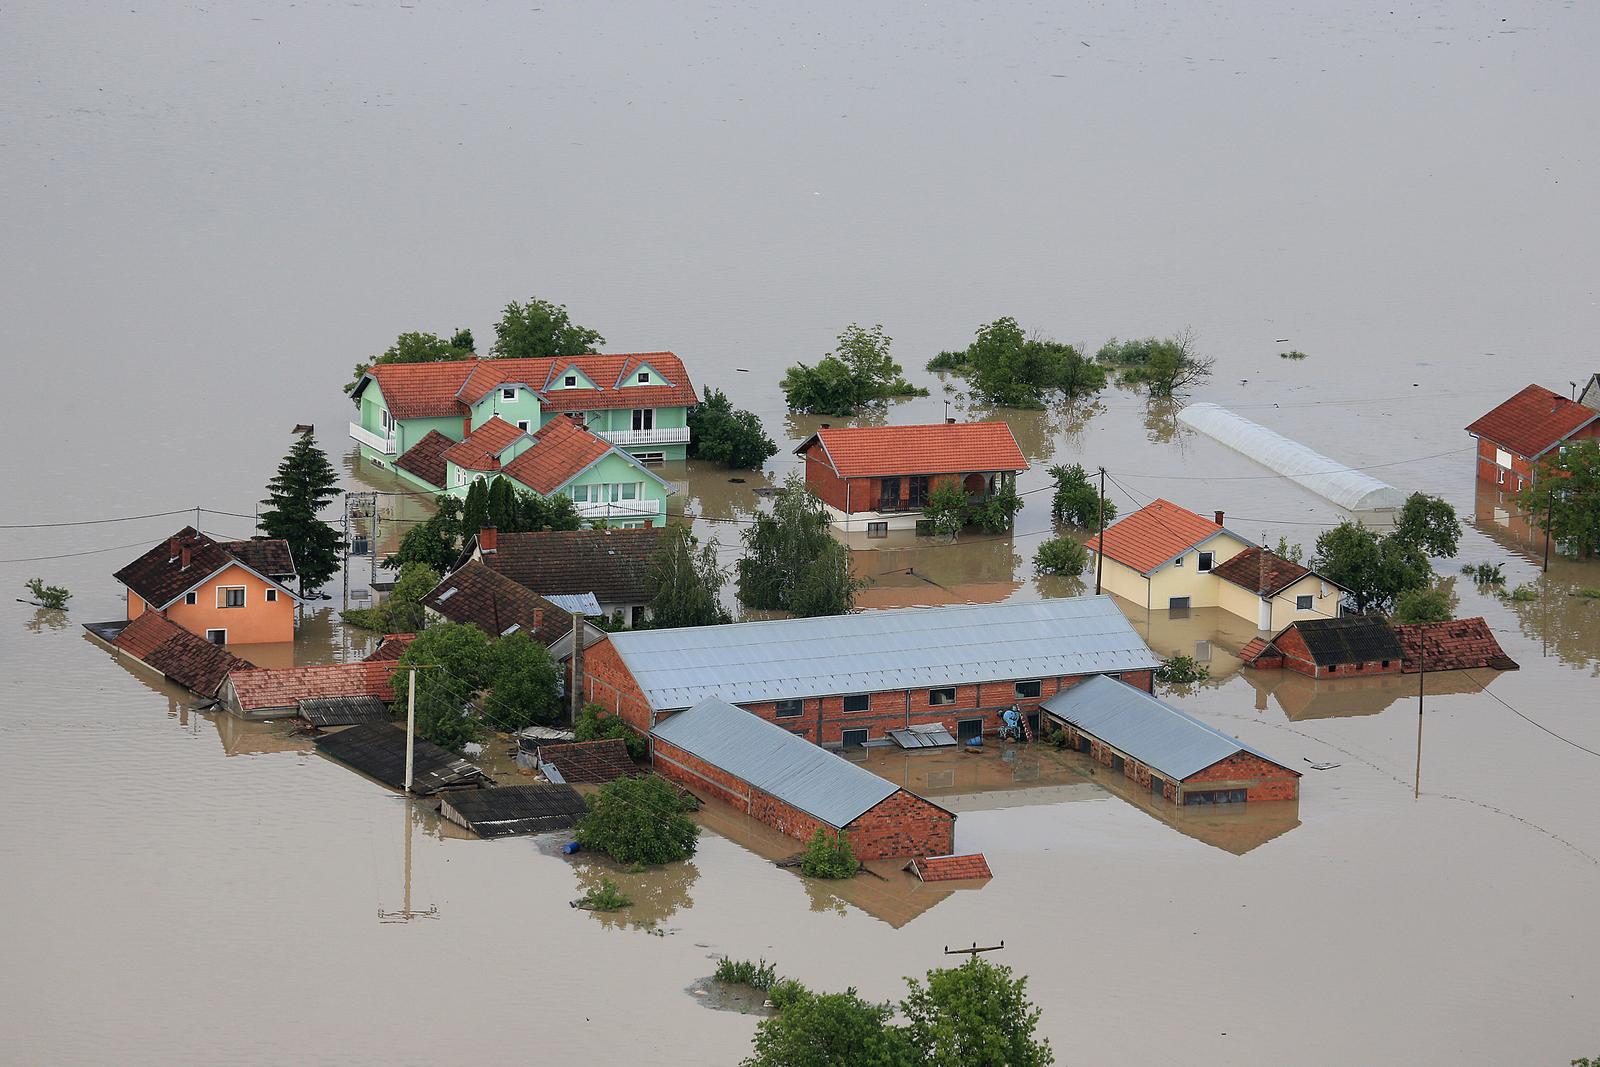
(667, 435)
(375, 441)
(619, 510)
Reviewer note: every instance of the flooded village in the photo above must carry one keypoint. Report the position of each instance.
(1241, 703)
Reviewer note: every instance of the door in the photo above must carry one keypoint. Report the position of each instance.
(854, 738)
(967, 729)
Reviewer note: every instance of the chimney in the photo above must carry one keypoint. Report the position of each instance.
(538, 618)
(824, 425)
(183, 558)
(172, 548)
(488, 540)
(949, 420)
(1219, 518)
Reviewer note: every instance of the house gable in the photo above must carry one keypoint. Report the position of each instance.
(642, 373)
(568, 376)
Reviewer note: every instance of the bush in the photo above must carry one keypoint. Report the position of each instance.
(760, 975)
(48, 596)
(638, 820)
(1485, 574)
(1522, 594)
(1076, 500)
(946, 510)
(1061, 555)
(402, 611)
(829, 856)
(785, 992)
(1165, 367)
(1182, 670)
(827, 1029)
(971, 1014)
(997, 512)
(726, 435)
(1429, 604)
(1591, 594)
(604, 897)
(1293, 353)
(595, 725)
(858, 373)
(1006, 366)
(949, 361)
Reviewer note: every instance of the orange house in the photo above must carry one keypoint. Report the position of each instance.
(229, 592)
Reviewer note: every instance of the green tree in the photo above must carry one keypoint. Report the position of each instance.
(501, 503)
(829, 855)
(453, 661)
(1007, 367)
(1429, 603)
(540, 328)
(304, 485)
(434, 543)
(688, 582)
(595, 725)
(418, 347)
(1165, 367)
(1061, 555)
(723, 434)
(974, 1015)
(831, 1030)
(1293, 553)
(996, 512)
(475, 509)
(1564, 500)
(54, 597)
(1430, 524)
(1076, 500)
(401, 611)
(946, 510)
(858, 372)
(537, 512)
(1376, 570)
(792, 561)
(524, 684)
(639, 820)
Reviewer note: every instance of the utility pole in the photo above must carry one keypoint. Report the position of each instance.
(1422, 675)
(372, 544)
(411, 730)
(575, 687)
(972, 953)
(346, 538)
(1549, 516)
(1100, 545)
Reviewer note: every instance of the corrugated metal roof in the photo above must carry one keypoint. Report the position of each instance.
(915, 738)
(584, 603)
(1151, 731)
(875, 651)
(775, 761)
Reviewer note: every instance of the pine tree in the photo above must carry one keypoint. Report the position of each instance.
(304, 485)
(475, 513)
(504, 509)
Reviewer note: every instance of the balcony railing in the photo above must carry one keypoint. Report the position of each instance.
(621, 510)
(375, 441)
(666, 435)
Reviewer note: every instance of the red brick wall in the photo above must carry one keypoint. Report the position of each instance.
(1263, 779)
(1522, 469)
(1297, 658)
(607, 682)
(822, 480)
(903, 825)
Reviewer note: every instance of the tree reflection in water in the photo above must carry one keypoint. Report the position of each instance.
(658, 893)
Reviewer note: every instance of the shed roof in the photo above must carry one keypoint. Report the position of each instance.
(950, 868)
(1328, 478)
(1533, 422)
(485, 598)
(343, 711)
(881, 650)
(1351, 639)
(1155, 733)
(425, 459)
(186, 658)
(586, 761)
(378, 750)
(775, 761)
(937, 448)
(285, 687)
(1155, 534)
(612, 564)
(1455, 645)
(392, 647)
(515, 809)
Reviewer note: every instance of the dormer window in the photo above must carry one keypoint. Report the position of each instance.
(571, 380)
(508, 394)
(644, 377)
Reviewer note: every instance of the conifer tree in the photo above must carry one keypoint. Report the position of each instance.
(475, 512)
(304, 485)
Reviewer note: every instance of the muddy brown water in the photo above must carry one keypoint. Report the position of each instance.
(210, 213)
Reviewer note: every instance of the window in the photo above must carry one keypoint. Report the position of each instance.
(877, 529)
(570, 381)
(644, 418)
(1178, 603)
(1303, 603)
(937, 697)
(508, 394)
(1205, 561)
(272, 596)
(580, 494)
(858, 702)
(650, 458)
(889, 494)
(1333, 668)
(630, 490)
(1202, 651)
(217, 637)
(1216, 796)
(636, 615)
(917, 492)
(1028, 690)
(644, 377)
(230, 596)
(522, 424)
(191, 598)
(786, 709)
(1385, 664)
(853, 738)
(1178, 562)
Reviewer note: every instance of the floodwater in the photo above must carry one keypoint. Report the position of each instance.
(210, 213)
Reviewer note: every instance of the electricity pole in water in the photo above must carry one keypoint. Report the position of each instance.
(1100, 545)
(411, 726)
(972, 953)
(1422, 676)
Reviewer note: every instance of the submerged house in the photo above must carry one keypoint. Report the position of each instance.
(606, 570)
(481, 596)
(163, 646)
(848, 679)
(277, 693)
(1360, 646)
(1171, 753)
(1516, 435)
(879, 478)
(718, 750)
(228, 592)
(639, 402)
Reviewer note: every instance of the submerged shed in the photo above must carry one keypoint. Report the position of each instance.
(514, 809)
(343, 711)
(1328, 478)
(590, 762)
(378, 750)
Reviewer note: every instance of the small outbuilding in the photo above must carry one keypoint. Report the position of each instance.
(1173, 754)
(586, 762)
(1357, 645)
(378, 750)
(276, 693)
(778, 778)
(171, 651)
(514, 809)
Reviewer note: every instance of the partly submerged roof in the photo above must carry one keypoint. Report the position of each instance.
(343, 711)
(612, 564)
(425, 459)
(881, 650)
(1261, 571)
(593, 762)
(186, 658)
(1328, 478)
(775, 761)
(1155, 534)
(483, 597)
(938, 448)
(159, 576)
(1155, 733)
(561, 451)
(1351, 639)
(392, 647)
(1533, 422)
(515, 809)
(378, 750)
(1455, 645)
(950, 868)
(450, 387)
(285, 687)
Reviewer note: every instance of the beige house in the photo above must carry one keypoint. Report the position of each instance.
(1168, 558)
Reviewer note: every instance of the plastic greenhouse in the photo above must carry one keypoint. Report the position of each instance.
(1328, 478)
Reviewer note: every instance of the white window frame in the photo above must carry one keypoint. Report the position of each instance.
(272, 596)
(644, 418)
(877, 529)
(218, 630)
(631, 490)
(508, 394)
(648, 458)
(1206, 561)
(642, 378)
(1304, 602)
(570, 382)
(191, 597)
(522, 424)
(1178, 562)
(222, 596)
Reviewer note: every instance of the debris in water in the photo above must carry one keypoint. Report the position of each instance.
(1321, 766)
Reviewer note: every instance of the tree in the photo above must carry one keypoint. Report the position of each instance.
(946, 510)
(996, 512)
(1292, 553)
(435, 543)
(1061, 555)
(974, 1015)
(831, 1030)
(454, 667)
(858, 372)
(1165, 367)
(1375, 570)
(304, 485)
(688, 582)
(418, 347)
(501, 503)
(792, 561)
(1430, 524)
(1428, 603)
(829, 855)
(639, 820)
(475, 508)
(723, 434)
(1564, 500)
(540, 328)
(1076, 500)
(401, 611)
(1005, 366)
(595, 725)
(537, 512)
(54, 597)
(524, 684)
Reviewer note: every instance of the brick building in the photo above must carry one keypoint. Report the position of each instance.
(847, 679)
(715, 749)
(1156, 746)
(1354, 646)
(1518, 434)
(879, 478)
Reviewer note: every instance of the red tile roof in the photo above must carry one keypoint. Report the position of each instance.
(951, 868)
(287, 686)
(1260, 571)
(940, 448)
(1154, 534)
(1253, 649)
(191, 661)
(391, 647)
(480, 450)
(430, 390)
(425, 459)
(589, 761)
(1533, 421)
(560, 451)
(264, 555)
(159, 576)
(422, 390)
(1456, 645)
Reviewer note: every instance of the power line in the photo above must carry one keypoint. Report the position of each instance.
(69, 555)
(92, 522)
(1540, 725)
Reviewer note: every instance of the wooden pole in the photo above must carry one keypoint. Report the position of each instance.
(1422, 675)
(1100, 549)
(411, 730)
